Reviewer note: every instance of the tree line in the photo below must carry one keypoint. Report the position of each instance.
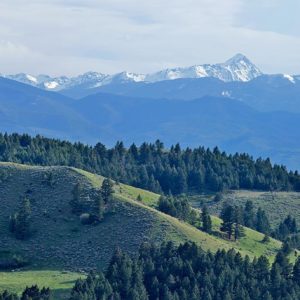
(151, 166)
(30, 293)
(186, 272)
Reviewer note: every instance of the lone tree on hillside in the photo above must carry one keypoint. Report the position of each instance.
(262, 222)
(103, 198)
(20, 222)
(227, 215)
(100, 206)
(76, 199)
(206, 220)
(232, 220)
(107, 190)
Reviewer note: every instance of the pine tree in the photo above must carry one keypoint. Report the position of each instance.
(238, 229)
(283, 263)
(107, 190)
(22, 221)
(13, 223)
(266, 239)
(262, 268)
(206, 220)
(290, 224)
(249, 215)
(5, 295)
(75, 202)
(101, 207)
(262, 222)
(218, 197)
(34, 293)
(296, 271)
(228, 217)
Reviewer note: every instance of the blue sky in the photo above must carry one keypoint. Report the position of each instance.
(71, 36)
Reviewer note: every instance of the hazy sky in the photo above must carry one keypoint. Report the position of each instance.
(74, 36)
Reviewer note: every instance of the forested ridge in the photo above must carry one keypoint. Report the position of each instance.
(187, 273)
(151, 166)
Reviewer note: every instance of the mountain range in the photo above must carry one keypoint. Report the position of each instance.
(233, 105)
(238, 68)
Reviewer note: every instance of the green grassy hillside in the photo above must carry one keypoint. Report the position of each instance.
(61, 248)
(179, 231)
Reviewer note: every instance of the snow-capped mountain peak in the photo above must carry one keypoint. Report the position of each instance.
(237, 68)
(240, 68)
(238, 58)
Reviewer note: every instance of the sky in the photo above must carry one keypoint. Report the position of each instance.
(69, 37)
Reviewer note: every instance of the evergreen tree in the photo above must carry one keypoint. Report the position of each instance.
(296, 271)
(218, 197)
(238, 229)
(76, 202)
(206, 220)
(228, 217)
(290, 224)
(5, 295)
(13, 223)
(282, 262)
(20, 223)
(266, 239)
(100, 206)
(107, 190)
(262, 222)
(249, 215)
(34, 293)
(24, 220)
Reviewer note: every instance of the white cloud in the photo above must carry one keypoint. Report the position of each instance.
(73, 36)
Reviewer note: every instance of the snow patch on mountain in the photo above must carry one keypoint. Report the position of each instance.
(51, 85)
(31, 78)
(289, 77)
(226, 94)
(24, 78)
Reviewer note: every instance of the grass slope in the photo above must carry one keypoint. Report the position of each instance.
(250, 244)
(60, 281)
(61, 243)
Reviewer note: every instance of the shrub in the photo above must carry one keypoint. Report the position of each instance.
(88, 219)
(85, 219)
(218, 197)
(9, 261)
